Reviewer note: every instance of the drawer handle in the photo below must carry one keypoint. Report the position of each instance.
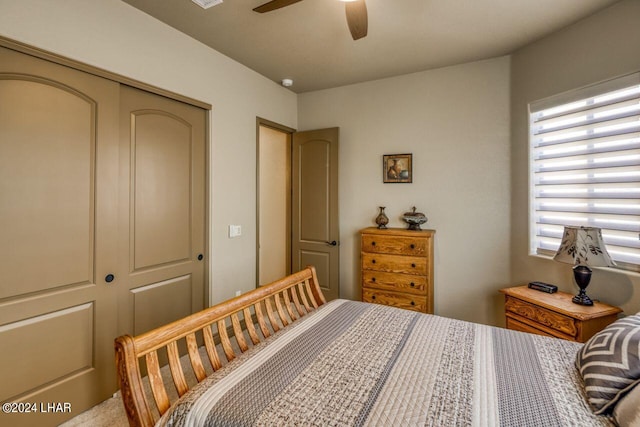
(413, 265)
(373, 279)
(373, 297)
(413, 303)
(373, 261)
(412, 246)
(412, 284)
(373, 243)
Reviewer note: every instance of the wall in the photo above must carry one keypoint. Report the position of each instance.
(601, 47)
(111, 35)
(455, 121)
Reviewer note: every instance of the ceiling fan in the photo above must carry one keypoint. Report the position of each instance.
(356, 11)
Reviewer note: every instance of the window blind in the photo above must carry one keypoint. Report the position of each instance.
(585, 168)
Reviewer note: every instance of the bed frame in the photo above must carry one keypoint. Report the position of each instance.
(270, 308)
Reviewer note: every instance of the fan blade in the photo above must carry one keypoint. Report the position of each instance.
(273, 5)
(357, 18)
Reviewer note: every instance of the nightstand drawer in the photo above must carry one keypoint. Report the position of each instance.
(515, 325)
(394, 299)
(543, 316)
(394, 263)
(394, 282)
(397, 245)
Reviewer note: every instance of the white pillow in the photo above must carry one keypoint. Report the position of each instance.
(627, 410)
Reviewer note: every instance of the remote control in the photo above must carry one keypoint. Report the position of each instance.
(544, 287)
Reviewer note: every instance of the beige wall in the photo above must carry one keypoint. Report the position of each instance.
(601, 47)
(455, 121)
(110, 34)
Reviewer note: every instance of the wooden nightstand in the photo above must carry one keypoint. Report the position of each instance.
(554, 314)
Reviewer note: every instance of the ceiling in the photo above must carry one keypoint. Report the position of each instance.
(309, 41)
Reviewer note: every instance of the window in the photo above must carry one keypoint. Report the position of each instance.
(585, 167)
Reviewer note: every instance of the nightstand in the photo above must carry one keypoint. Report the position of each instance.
(554, 314)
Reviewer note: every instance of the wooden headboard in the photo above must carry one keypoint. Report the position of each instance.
(269, 309)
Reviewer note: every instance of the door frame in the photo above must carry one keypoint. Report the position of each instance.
(261, 122)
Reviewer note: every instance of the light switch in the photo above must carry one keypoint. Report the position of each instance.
(235, 231)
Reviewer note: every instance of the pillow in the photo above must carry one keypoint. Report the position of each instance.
(627, 410)
(609, 363)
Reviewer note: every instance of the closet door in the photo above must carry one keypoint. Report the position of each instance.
(162, 210)
(58, 212)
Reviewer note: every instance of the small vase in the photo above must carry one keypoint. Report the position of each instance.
(382, 219)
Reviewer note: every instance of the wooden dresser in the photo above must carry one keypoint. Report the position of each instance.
(555, 314)
(397, 268)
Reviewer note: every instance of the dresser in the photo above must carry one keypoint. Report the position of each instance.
(555, 314)
(397, 268)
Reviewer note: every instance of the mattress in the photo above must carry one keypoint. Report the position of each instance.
(358, 364)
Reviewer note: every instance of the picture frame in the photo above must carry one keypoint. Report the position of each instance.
(397, 168)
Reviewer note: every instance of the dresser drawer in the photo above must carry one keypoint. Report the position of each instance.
(395, 282)
(541, 315)
(397, 245)
(394, 263)
(395, 299)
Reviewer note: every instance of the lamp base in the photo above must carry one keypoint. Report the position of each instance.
(582, 274)
(582, 299)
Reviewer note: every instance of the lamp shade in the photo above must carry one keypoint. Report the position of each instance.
(583, 246)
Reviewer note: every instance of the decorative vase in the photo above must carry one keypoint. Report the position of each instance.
(414, 219)
(382, 220)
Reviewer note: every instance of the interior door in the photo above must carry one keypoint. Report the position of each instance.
(162, 210)
(314, 217)
(58, 198)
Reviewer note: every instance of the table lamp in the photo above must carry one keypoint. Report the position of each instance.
(584, 248)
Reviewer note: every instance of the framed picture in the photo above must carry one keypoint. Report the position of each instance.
(397, 168)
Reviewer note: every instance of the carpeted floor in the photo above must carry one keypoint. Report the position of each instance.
(109, 413)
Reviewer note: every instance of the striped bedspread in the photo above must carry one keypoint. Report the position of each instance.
(352, 364)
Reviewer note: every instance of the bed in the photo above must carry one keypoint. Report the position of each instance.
(283, 355)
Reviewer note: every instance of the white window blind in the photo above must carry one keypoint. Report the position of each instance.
(585, 167)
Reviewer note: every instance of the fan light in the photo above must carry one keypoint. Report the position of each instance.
(206, 4)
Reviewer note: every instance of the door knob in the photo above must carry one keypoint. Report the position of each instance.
(332, 243)
(200, 257)
(109, 278)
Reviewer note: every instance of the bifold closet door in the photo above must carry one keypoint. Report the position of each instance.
(58, 212)
(102, 229)
(162, 210)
